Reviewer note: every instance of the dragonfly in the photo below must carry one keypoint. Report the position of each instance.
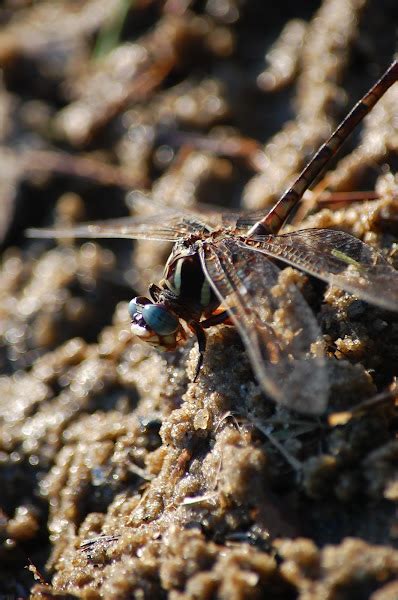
(225, 268)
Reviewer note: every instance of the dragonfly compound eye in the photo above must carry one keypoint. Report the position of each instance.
(154, 324)
(159, 319)
(136, 305)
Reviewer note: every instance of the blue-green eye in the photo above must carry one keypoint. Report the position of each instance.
(159, 319)
(136, 305)
(133, 307)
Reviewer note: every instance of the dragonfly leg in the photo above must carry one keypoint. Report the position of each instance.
(198, 329)
(215, 319)
(201, 337)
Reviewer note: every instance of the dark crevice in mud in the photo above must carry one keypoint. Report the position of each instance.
(366, 519)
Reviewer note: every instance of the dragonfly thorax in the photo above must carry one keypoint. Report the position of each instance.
(188, 288)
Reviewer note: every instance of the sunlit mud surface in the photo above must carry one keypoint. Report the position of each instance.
(120, 476)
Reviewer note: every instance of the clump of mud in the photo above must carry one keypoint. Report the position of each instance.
(120, 476)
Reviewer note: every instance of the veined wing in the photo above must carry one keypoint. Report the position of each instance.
(339, 259)
(276, 324)
(213, 216)
(166, 226)
(246, 220)
(241, 222)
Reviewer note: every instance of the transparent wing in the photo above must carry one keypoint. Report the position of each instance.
(247, 220)
(339, 259)
(213, 216)
(274, 321)
(168, 226)
(239, 221)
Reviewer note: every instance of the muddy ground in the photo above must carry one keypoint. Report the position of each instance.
(120, 476)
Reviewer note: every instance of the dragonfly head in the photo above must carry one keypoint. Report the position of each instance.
(155, 324)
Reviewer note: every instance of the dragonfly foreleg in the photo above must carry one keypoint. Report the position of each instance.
(202, 340)
(198, 330)
(216, 319)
